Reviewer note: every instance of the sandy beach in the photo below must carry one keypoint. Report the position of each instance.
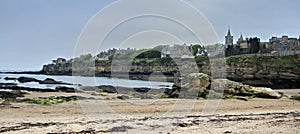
(151, 116)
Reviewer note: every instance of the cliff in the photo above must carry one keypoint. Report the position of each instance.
(270, 71)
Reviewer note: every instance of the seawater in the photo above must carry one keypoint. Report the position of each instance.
(84, 81)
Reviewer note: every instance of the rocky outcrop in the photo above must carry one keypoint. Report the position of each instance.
(237, 88)
(46, 81)
(27, 79)
(269, 71)
(273, 72)
(10, 78)
(205, 83)
(197, 80)
(52, 81)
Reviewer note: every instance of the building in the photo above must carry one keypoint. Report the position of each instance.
(242, 46)
(177, 51)
(228, 38)
(59, 61)
(202, 52)
(284, 43)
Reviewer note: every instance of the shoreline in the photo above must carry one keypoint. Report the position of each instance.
(167, 77)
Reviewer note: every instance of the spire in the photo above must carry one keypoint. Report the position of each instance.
(241, 38)
(228, 33)
(228, 38)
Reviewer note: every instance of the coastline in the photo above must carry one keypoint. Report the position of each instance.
(147, 115)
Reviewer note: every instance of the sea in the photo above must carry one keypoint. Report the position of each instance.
(83, 81)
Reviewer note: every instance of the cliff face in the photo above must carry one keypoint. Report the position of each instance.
(274, 72)
(57, 69)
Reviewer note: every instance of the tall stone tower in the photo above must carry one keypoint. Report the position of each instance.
(228, 38)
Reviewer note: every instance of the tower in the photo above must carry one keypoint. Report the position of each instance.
(241, 38)
(228, 38)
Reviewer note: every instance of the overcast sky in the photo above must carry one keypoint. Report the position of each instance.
(33, 32)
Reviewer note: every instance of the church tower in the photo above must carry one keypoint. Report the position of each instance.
(228, 38)
(241, 39)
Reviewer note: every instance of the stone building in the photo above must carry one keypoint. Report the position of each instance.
(59, 61)
(177, 51)
(242, 46)
(228, 38)
(284, 43)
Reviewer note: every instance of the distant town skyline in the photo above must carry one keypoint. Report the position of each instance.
(35, 32)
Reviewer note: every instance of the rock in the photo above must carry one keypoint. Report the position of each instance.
(10, 78)
(197, 80)
(203, 81)
(108, 89)
(88, 88)
(227, 132)
(142, 90)
(7, 84)
(65, 89)
(27, 79)
(242, 98)
(238, 88)
(264, 92)
(11, 95)
(52, 81)
(123, 97)
(226, 86)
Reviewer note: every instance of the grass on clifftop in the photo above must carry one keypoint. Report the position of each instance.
(286, 62)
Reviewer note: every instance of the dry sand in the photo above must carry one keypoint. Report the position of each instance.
(152, 116)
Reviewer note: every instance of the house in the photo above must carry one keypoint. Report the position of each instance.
(177, 51)
(202, 52)
(59, 61)
(284, 43)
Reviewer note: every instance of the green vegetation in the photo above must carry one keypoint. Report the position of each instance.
(295, 98)
(285, 62)
(149, 54)
(83, 58)
(196, 47)
(50, 100)
(201, 59)
(165, 96)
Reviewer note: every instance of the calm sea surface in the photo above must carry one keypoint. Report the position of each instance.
(84, 81)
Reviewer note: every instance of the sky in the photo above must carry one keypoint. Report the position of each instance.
(34, 32)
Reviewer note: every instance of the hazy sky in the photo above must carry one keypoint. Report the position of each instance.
(33, 32)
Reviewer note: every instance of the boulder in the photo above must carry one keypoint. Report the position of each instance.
(237, 88)
(123, 97)
(203, 82)
(65, 89)
(197, 80)
(27, 79)
(108, 89)
(11, 95)
(10, 78)
(52, 81)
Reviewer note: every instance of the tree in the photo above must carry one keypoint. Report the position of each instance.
(196, 47)
(149, 54)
